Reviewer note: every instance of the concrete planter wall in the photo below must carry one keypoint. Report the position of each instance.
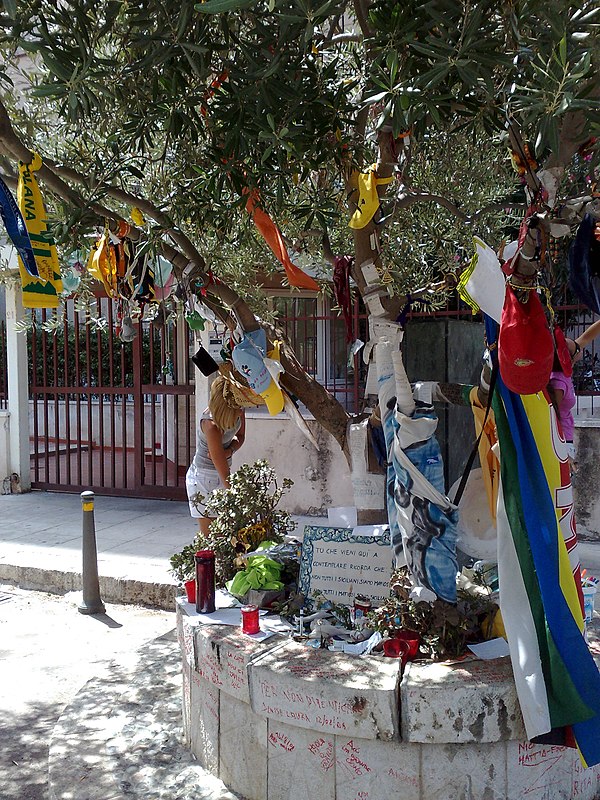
(279, 721)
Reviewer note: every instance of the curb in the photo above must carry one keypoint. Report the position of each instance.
(121, 737)
(112, 590)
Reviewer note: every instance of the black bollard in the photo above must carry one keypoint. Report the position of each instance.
(91, 602)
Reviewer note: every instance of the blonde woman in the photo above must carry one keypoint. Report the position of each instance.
(221, 433)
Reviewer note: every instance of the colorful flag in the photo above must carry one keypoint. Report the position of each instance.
(557, 680)
(42, 292)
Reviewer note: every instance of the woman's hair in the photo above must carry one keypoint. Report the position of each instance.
(228, 397)
(222, 406)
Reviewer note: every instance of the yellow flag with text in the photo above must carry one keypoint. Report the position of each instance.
(42, 292)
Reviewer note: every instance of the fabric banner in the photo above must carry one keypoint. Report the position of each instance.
(557, 680)
(423, 521)
(272, 236)
(42, 292)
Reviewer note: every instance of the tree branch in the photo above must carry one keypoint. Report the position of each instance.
(146, 207)
(18, 150)
(426, 197)
(360, 11)
(339, 38)
(571, 132)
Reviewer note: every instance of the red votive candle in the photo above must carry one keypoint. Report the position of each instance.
(250, 622)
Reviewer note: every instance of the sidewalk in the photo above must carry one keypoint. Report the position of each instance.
(41, 536)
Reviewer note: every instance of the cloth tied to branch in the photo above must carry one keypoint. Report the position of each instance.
(272, 236)
(42, 292)
(423, 521)
(368, 199)
(16, 229)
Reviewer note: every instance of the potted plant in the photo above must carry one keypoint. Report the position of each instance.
(245, 515)
(183, 569)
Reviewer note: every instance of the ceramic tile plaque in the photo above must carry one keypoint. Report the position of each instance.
(344, 562)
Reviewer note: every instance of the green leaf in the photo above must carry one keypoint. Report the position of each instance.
(562, 51)
(223, 6)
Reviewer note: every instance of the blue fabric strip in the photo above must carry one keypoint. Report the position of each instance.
(16, 229)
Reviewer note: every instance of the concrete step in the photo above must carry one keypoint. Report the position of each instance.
(121, 738)
(113, 589)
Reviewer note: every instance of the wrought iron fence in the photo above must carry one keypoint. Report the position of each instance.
(317, 332)
(113, 416)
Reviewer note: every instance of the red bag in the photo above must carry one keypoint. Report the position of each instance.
(525, 344)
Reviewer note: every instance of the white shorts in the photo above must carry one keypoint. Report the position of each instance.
(199, 484)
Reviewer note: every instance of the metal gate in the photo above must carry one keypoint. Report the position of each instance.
(114, 417)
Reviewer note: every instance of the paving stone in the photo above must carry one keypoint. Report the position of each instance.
(223, 655)
(452, 771)
(328, 692)
(586, 782)
(135, 750)
(186, 701)
(204, 722)
(185, 634)
(473, 701)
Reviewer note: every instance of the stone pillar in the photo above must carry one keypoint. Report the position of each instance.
(18, 388)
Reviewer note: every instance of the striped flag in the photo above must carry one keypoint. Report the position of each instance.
(557, 680)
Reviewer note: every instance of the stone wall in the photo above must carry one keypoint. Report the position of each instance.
(586, 481)
(279, 721)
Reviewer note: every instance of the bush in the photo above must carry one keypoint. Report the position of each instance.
(245, 515)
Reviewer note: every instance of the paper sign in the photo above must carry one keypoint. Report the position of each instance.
(341, 564)
(494, 648)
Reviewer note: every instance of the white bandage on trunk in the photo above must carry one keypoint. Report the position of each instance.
(404, 395)
(382, 329)
(374, 290)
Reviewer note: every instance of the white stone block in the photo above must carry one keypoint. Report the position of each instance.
(186, 701)
(205, 723)
(327, 692)
(371, 770)
(242, 749)
(451, 771)
(301, 764)
(473, 701)
(223, 654)
(539, 771)
(586, 782)
(185, 634)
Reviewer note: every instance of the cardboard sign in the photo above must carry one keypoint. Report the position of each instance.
(344, 562)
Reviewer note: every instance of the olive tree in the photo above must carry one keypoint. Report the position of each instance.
(182, 110)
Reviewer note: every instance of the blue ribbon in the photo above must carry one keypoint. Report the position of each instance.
(16, 229)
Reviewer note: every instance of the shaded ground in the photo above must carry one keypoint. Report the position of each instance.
(48, 651)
